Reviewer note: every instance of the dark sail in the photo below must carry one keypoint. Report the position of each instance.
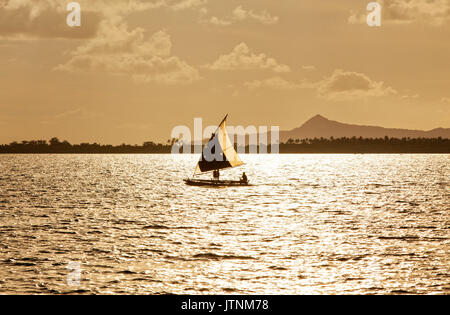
(210, 160)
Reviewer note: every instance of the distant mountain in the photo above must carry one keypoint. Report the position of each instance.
(319, 126)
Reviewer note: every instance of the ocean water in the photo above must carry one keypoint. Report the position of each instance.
(309, 224)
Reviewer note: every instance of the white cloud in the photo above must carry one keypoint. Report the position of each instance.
(240, 14)
(241, 58)
(122, 52)
(339, 86)
(345, 85)
(410, 97)
(216, 21)
(186, 4)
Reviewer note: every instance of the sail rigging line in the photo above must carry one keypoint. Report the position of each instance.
(223, 120)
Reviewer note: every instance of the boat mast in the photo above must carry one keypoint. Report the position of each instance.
(226, 116)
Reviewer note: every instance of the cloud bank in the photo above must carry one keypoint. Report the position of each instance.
(242, 58)
(241, 14)
(339, 86)
(119, 51)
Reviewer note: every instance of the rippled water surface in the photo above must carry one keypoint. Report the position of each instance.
(337, 224)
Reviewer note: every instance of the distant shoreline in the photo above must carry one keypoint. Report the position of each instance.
(304, 146)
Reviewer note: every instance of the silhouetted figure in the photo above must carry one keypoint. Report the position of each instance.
(216, 174)
(244, 178)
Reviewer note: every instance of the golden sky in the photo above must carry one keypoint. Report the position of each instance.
(135, 69)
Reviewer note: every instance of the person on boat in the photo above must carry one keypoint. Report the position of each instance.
(216, 174)
(244, 178)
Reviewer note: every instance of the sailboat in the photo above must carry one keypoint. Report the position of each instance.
(217, 154)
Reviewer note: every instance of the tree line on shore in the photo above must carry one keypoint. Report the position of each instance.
(315, 145)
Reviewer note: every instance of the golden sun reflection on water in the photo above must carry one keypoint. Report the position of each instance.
(309, 224)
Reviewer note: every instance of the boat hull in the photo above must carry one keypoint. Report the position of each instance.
(215, 183)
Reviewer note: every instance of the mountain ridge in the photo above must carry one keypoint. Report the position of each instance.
(319, 126)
